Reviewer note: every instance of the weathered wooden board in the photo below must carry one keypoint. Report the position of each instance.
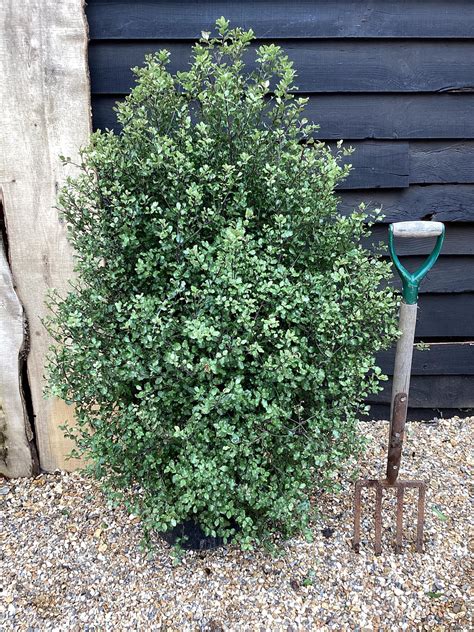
(365, 116)
(392, 116)
(398, 164)
(323, 66)
(445, 316)
(459, 240)
(382, 411)
(378, 165)
(17, 453)
(444, 203)
(117, 19)
(46, 112)
(435, 391)
(441, 358)
(442, 162)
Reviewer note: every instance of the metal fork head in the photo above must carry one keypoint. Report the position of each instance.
(379, 486)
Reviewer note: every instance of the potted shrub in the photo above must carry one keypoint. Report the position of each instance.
(219, 342)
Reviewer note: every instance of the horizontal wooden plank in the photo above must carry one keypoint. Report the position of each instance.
(168, 19)
(323, 66)
(402, 116)
(444, 316)
(435, 391)
(442, 162)
(378, 165)
(365, 116)
(397, 164)
(445, 358)
(459, 240)
(443, 203)
(450, 274)
(382, 411)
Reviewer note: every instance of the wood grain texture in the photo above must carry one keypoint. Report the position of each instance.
(398, 164)
(417, 229)
(441, 358)
(442, 162)
(125, 19)
(444, 203)
(382, 411)
(445, 316)
(45, 113)
(16, 458)
(404, 352)
(378, 165)
(323, 66)
(434, 391)
(364, 116)
(393, 116)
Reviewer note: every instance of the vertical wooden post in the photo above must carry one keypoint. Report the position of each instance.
(17, 454)
(45, 113)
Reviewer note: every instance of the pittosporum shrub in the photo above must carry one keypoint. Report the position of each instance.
(219, 342)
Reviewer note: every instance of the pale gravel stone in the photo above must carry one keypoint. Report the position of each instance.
(70, 562)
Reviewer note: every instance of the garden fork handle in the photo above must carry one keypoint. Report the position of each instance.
(400, 388)
(404, 351)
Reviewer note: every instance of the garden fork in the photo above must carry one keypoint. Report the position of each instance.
(400, 388)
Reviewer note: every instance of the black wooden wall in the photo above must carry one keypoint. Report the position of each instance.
(393, 78)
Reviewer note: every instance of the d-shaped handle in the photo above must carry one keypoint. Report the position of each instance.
(411, 280)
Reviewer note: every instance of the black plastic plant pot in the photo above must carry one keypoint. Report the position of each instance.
(189, 535)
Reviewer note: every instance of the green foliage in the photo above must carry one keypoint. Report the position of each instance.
(439, 514)
(422, 346)
(220, 340)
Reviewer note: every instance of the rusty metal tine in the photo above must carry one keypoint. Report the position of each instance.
(357, 512)
(378, 520)
(421, 518)
(398, 541)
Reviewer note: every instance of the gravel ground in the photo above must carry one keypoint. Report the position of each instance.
(70, 562)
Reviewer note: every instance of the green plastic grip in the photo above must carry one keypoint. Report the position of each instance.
(411, 280)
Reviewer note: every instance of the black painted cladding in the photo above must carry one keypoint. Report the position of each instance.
(277, 19)
(393, 78)
(323, 65)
